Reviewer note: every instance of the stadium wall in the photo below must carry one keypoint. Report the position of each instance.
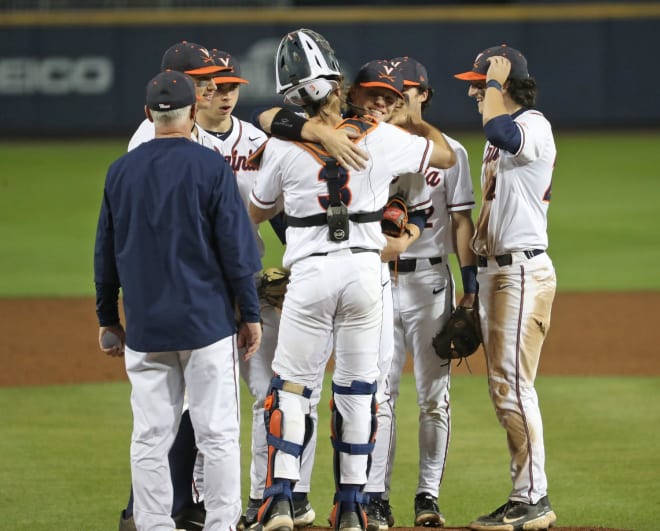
(84, 72)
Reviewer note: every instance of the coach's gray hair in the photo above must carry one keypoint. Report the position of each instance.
(170, 117)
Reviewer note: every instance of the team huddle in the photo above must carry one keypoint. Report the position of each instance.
(369, 200)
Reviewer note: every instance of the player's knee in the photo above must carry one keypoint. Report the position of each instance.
(341, 426)
(286, 417)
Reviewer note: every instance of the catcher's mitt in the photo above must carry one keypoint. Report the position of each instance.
(272, 286)
(461, 335)
(395, 216)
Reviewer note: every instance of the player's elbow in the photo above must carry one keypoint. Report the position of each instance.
(443, 158)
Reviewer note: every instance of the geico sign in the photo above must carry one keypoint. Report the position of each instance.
(55, 75)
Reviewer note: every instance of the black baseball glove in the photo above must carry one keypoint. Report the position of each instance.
(395, 216)
(461, 335)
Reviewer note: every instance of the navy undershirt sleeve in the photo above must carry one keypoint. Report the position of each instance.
(278, 223)
(418, 217)
(503, 133)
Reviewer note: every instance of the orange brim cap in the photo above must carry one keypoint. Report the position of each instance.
(383, 85)
(229, 79)
(471, 76)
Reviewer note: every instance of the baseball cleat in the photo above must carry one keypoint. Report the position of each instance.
(517, 516)
(349, 521)
(250, 516)
(126, 523)
(427, 513)
(378, 514)
(279, 517)
(191, 518)
(303, 513)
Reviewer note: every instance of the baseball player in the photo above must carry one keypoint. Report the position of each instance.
(333, 246)
(195, 61)
(516, 276)
(180, 293)
(236, 140)
(423, 298)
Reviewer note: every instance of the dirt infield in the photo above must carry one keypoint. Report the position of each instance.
(54, 341)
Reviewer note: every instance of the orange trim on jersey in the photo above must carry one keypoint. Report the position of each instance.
(315, 150)
(254, 160)
(363, 126)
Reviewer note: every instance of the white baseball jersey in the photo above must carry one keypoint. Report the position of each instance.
(243, 140)
(289, 169)
(516, 190)
(146, 131)
(516, 292)
(451, 191)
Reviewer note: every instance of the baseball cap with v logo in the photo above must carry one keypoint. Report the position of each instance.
(190, 58)
(380, 73)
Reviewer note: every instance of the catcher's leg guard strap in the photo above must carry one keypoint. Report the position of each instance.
(348, 497)
(280, 399)
(356, 388)
(271, 406)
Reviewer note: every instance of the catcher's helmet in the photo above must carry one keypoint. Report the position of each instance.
(306, 69)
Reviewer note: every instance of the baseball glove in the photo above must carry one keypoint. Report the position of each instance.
(272, 286)
(395, 216)
(461, 335)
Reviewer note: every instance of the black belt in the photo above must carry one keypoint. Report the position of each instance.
(507, 259)
(409, 265)
(354, 250)
(317, 220)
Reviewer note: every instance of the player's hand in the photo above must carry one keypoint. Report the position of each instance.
(499, 69)
(394, 247)
(112, 340)
(468, 300)
(339, 144)
(249, 338)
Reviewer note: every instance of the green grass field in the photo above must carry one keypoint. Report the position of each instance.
(65, 454)
(603, 216)
(64, 449)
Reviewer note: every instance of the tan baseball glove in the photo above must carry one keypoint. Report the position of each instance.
(273, 284)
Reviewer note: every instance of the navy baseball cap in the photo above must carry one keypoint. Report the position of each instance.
(190, 58)
(232, 70)
(170, 90)
(413, 72)
(480, 66)
(380, 73)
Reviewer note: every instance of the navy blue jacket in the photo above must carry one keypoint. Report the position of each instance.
(174, 234)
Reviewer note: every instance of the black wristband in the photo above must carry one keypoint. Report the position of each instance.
(287, 124)
(494, 84)
(469, 277)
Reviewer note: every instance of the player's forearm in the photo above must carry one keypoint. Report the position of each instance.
(259, 215)
(462, 233)
(443, 155)
(493, 104)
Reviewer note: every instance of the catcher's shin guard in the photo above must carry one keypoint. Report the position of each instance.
(345, 494)
(274, 420)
